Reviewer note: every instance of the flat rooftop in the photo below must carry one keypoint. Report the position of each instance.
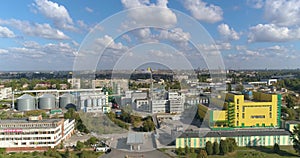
(135, 138)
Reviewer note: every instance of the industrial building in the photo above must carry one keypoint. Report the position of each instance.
(252, 119)
(250, 137)
(255, 109)
(92, 101)
(34, 133)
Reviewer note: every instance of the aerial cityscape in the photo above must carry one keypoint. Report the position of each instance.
(150, 78)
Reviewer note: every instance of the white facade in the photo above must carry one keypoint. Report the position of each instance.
(23, 133)
(75, 83)
(5, 93)
(176, 101)
(92, 102)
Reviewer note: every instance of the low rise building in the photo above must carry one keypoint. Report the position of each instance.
(252, 137)
(34, 133)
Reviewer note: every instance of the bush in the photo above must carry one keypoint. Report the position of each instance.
(223, 147)
(202, 154)
(209, 148)
(216, 148)
(276, 148)
(231, 144)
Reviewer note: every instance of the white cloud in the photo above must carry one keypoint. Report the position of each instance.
(57, 13)
(283, 12)
(159, 53)
(227, 32)
(272, 33)
(257, 4)
(176, 35)
(110, 43)
(48, 51)
(214, 47)
(90, 10)
(36, 29)
(203, 11)
(149, 13)
(6, 32)
(3, 51)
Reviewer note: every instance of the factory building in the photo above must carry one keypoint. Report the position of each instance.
(257, 137)
(244, 111)
(34, 133)
(92, 101)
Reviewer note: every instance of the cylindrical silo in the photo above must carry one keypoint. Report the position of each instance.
(47, 101)
(26, 103)
(65, 100)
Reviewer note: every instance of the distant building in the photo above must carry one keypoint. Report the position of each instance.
(92, 101)
(176, 101)
(5, 93)
(75, 83)
(34, 133)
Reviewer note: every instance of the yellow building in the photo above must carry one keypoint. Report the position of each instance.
(258, 110)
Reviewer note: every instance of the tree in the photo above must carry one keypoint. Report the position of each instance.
(202, 154)
(179, 151)
(223, 147)
(79, 145)
(289, 101)
(209, 148)
(296, 138)
(231, 144)
(276, 148)
(67, 154)
(229, 87)
(216, 148)
(186, 150)
(239, 87)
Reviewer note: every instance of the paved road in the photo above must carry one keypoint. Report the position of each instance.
(121, 154)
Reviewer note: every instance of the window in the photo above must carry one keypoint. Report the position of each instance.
(237, 115)
(243, 115)
(237, 107)
(237, 123)
(238, 101)
(270, 115)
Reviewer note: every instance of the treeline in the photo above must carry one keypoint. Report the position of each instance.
(72, 114)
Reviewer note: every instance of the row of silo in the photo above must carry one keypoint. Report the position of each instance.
(27, 102)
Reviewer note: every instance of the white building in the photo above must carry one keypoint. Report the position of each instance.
(176, 101)
(75, 83)
(92, 102)
(5, 93)
(34, 133)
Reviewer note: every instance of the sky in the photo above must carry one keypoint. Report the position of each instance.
(93, 34)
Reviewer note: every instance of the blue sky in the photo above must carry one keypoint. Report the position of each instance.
(49, 35)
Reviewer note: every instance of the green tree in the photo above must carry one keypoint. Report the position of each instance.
(202, 154)
(231, 144)
(186, 150)
(223, 147)
(179, 151)
(79, 145)
(216, 148)
(296, 138)
(289, 101)
(229, 88)
(276, 148)
(67, 154)
(239, 87)
(209, 148)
